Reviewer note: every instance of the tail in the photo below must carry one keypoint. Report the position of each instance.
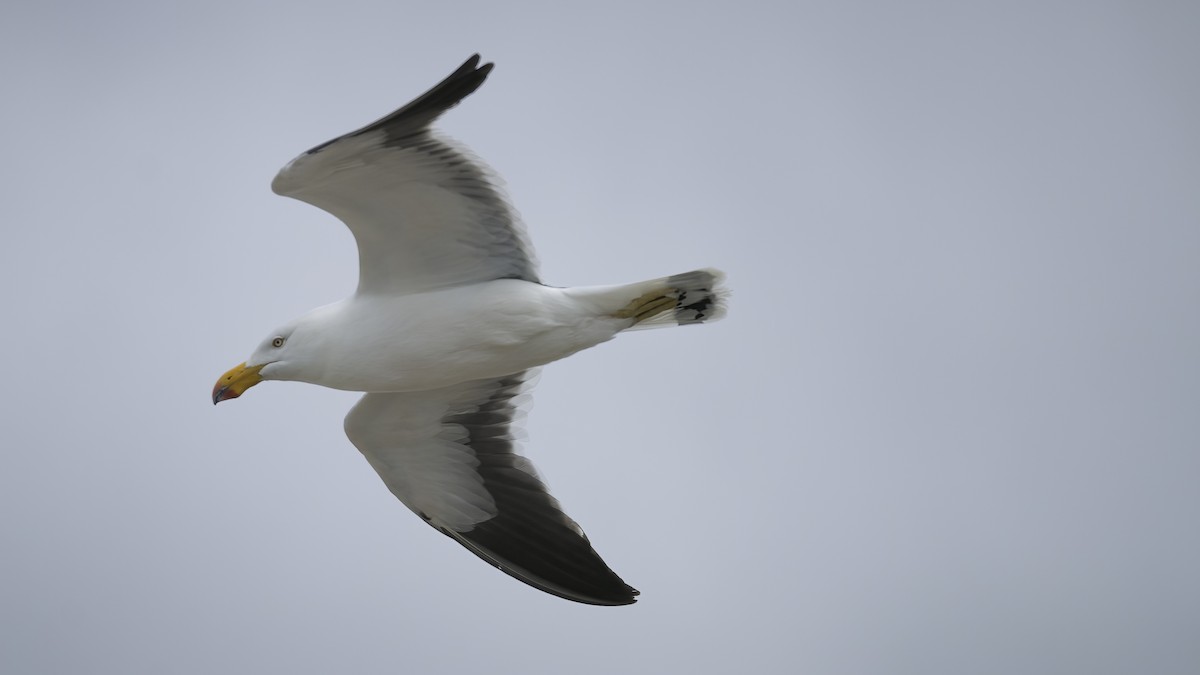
(679, 300)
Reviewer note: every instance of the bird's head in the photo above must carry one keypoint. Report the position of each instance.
(268, 362)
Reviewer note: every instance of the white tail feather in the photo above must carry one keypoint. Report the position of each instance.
(678, 300)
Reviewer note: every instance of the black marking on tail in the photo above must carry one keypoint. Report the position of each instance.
(695, 311)
(694, 298)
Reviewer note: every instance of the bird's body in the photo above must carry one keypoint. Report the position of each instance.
(448, 321)
(439, 338)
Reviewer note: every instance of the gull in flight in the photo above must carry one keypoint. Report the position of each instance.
(443, 335)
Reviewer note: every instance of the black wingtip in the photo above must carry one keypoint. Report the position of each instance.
(415, 117)
(469, 68)
(575, 572)
(529, 538)
(472, 62)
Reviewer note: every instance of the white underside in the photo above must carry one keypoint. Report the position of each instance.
(423, 341)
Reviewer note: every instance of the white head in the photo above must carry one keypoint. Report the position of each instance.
(285, 354)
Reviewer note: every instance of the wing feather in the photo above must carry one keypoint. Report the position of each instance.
(424, 211)
(449, 455)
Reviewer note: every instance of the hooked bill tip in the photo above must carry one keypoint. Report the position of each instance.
(224, 393)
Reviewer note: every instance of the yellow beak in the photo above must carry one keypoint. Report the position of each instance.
(234, 383)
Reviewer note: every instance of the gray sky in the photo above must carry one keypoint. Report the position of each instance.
(950, 425)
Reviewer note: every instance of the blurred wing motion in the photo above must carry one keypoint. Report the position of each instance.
(449, 456)
(425, 213)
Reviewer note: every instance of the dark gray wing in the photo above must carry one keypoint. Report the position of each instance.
(449, 455)
(425, 213)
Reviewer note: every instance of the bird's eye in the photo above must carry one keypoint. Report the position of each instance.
(277, 342)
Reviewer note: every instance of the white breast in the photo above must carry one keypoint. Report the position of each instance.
(441, 338)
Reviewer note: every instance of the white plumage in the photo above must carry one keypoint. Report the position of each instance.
(447, 322)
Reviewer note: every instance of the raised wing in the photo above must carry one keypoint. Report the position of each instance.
(425, 213)
(449, 456)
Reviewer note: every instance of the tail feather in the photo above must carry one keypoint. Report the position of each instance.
(679, 300)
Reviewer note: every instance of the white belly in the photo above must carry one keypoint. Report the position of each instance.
(437, 339)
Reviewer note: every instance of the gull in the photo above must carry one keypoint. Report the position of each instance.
(445, 332)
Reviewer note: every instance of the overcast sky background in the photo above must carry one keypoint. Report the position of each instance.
(951, 424)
